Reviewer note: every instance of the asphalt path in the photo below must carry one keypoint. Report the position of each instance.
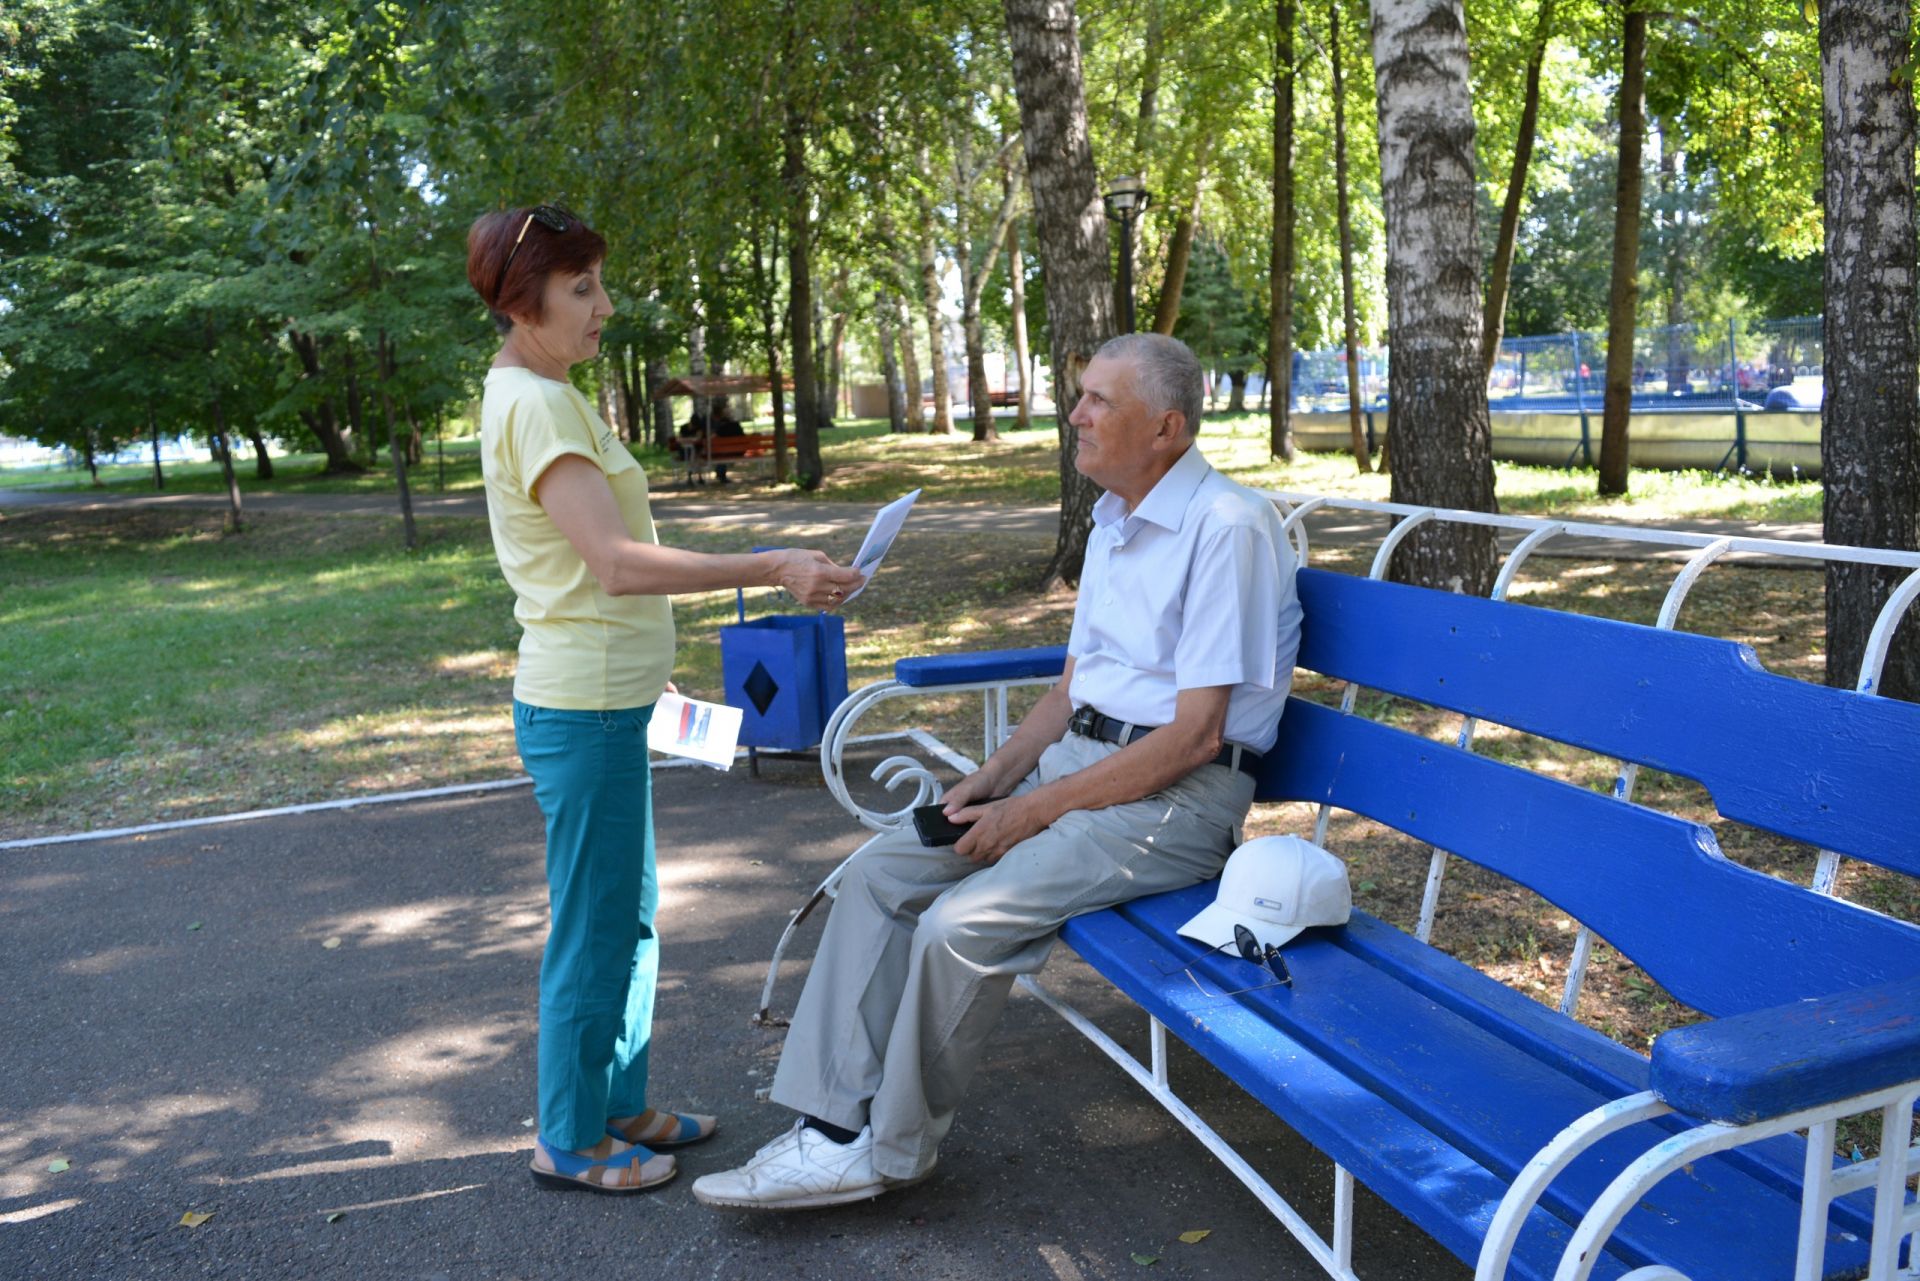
(802, 518)
(319, 1030)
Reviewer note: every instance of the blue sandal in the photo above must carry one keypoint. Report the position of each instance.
(565, 1171)
(686, 1128)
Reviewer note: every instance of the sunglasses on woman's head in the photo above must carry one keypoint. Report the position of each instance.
(552, 217)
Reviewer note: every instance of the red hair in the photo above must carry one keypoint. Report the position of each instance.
(543, 251)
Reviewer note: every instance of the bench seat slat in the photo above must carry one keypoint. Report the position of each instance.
(1639, 878)
(1830, 767)
(1488, 1100)
(1442, 1191)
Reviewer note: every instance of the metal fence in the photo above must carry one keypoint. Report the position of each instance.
(1699, 396)
(1742, 365)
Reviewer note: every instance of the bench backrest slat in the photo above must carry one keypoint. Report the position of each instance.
(1834, 768)
(1720, 937)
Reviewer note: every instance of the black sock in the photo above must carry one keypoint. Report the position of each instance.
(834, 1132)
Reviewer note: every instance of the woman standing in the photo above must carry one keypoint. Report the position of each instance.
(568, 508)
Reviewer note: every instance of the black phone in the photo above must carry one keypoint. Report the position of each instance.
(935, 828)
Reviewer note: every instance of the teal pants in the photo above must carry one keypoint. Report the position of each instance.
(597, 978)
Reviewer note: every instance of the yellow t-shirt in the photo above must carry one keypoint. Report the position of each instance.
(581, 649)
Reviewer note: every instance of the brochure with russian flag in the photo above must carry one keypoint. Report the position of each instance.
(704, 732)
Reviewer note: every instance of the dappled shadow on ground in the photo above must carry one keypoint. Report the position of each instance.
(185, 1032)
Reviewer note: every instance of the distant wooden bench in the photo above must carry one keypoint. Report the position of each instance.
(1521, 1140)
(696, 455)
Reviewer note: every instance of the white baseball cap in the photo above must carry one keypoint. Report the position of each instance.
(1276, 886)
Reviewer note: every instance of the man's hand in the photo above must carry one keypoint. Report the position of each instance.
(975, 789)
(998, 826)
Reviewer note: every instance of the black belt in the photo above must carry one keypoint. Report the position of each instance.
(1089, 723)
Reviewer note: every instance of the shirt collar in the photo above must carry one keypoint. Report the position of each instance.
(1165, 504)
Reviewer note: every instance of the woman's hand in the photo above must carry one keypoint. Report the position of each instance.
(813, 579)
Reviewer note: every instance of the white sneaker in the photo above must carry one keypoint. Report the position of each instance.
(802, 1169)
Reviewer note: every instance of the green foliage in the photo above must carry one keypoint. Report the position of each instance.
(206, 202)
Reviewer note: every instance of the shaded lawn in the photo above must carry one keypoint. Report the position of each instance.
(154, 669)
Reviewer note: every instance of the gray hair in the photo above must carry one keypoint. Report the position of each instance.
(1165, 373)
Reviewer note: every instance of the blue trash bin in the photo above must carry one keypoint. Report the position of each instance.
(787, 673)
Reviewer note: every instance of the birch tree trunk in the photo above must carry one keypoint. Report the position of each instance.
(1623, 295)
(973, 283)
(1437, 428)
(806, 394)
(910, 368)
(1070, 226)
(1500, 275)
(1870, 429)
(1280, 249)
(1017, 291)
(883, 311)
(1356, 432)
(936, 329)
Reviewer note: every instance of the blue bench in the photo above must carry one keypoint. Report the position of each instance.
(1521, 1140)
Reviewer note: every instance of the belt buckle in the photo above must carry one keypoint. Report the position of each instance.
(1084, 721)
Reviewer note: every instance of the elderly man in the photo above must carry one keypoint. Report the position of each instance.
(1129, 777)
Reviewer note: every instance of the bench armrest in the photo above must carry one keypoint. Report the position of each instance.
(981, 668)
(1767, 1063)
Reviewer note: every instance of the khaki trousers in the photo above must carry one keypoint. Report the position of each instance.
(922, 947)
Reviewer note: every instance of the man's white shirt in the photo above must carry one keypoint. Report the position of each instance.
(1193, 588)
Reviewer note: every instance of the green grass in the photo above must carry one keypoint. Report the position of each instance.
(866, 463)
(152, 668)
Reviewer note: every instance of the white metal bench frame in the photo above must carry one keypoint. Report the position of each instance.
(1895, 1220)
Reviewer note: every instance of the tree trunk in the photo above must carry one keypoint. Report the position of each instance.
(782, 469)
(764, 266)
(1870, 429)
(356, 423)
(1437, 426)
(262, 462)
(656, 374)
(910, 368)
(222, 445)
(836, 364)
(1017, 289)
(1071, 227)
(1623, 295)
(1500, 276)
(626, 378)
(1237, 398)
(153, 434)
(321, 421)
(383, 366)
(890, 364)
(1166, 312)
(1356, 432)
(1679, 353)
(93, 460)
(936, 345)
(973, 283)
(806, 393)
(1280, 251)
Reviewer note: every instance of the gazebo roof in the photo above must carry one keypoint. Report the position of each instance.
(716, 385)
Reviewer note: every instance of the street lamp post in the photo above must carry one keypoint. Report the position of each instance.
(1125, 202)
